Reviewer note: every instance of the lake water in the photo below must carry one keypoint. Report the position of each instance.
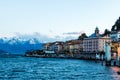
(24, 68)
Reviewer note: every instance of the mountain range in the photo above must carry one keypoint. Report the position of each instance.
(19, 45)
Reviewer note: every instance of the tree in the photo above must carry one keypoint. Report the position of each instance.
(82, 36)
(116, 26)
(113, 28)
(106, 32)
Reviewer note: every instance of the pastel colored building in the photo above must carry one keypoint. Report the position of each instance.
(57, 46)
(95, 42)
(47, 46)
(73, 46)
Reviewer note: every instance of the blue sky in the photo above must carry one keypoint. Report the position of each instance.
(56, 17)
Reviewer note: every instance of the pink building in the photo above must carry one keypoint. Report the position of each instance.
(95, 42)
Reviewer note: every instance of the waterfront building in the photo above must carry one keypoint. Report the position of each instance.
(73, 46)
(95, 42)
(57, 47)
(115, 36)
(47, 46)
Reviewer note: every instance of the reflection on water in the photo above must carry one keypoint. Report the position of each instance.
(116, 75)
(21, 68)
(116, 69)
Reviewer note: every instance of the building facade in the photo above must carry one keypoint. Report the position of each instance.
(57, 47)
(95, 42)
(47, 47)
(73, 46)
(115, 36)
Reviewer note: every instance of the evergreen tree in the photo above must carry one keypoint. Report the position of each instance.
(116, 26)
(106, 32)
(82, 36)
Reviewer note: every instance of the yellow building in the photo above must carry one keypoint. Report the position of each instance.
(74, 46)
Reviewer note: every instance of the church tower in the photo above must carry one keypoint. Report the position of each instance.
(97, 32)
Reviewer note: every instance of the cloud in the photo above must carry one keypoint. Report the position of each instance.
(44, 38)
(39, 36)
(73, 33)
(50, 31)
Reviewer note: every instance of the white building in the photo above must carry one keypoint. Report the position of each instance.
(115, 36)
(57, 47)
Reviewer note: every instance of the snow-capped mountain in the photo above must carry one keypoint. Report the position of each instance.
(19, 45)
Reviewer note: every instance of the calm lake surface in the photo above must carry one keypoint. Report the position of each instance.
(24, 68)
